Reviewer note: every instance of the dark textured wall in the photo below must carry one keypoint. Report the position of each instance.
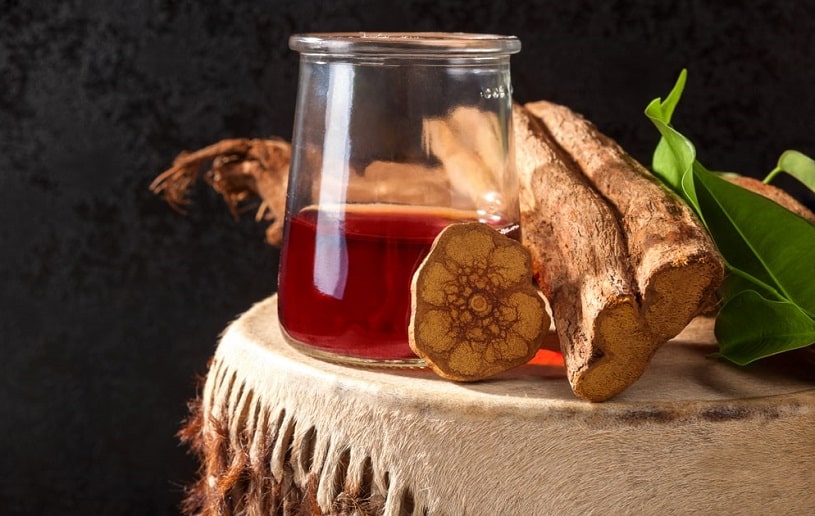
(111, 303)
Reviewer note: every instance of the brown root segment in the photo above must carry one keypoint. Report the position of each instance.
(475, 311)
(580, 261)
(675, 263)
(774, 194)
(242, 169)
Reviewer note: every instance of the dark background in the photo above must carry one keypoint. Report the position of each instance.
(111, 303)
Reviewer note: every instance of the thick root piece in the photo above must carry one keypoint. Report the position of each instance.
(675, 263)
(474, 309)
(581, 263)
(242, 169)
(467, 142)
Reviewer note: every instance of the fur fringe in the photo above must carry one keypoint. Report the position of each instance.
(256, 460)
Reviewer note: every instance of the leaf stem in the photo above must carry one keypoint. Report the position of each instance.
(774, 172)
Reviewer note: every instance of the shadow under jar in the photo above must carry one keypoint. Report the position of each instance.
(396, 136)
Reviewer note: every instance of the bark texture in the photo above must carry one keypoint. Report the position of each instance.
(581, 263)
(675, 263)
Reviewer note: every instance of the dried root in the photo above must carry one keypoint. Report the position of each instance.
(675, 265)
(773, 193)
(623, 262)
(475, 312)
(468, 144)
(580, 261)
(242, 169)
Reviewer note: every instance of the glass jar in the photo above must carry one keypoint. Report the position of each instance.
(395, 137)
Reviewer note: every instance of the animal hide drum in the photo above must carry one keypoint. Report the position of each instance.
(278, 432)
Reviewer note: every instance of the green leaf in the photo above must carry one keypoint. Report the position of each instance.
(673, 158)
(798, 165)
(745, 227)
(769, 297)
(750, 327)
(672, 100)
(675, 155)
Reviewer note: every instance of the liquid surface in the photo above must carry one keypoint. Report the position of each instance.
(345, 275)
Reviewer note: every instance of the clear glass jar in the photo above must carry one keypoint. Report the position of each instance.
(395, 136)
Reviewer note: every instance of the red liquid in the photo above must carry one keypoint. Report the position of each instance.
(345, 276)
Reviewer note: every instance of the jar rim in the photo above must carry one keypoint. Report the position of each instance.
(405, 43)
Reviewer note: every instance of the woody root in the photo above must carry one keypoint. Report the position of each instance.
(622, 261)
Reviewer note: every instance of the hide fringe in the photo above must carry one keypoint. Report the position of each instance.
(258, 460)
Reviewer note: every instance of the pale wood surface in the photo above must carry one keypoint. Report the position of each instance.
(693, 435)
